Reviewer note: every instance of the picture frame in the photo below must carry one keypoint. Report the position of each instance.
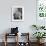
(17, 13)
(41, 12)
(41, 9)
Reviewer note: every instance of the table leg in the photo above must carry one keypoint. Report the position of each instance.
(5, 40)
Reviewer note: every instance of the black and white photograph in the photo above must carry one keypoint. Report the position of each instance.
(17, 13)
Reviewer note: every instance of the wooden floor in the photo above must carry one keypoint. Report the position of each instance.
(13, 44)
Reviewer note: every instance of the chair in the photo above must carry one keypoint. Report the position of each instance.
(24, 36)
(7, 35)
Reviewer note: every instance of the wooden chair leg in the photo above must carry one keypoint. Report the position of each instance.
(17, 39)
(5, 43)
(5, 39)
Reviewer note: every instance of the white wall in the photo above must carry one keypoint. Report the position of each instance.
(29, 15)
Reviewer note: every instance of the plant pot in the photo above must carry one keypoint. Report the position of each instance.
(40, 40)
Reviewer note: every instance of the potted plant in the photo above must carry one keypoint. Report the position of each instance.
(39, 35)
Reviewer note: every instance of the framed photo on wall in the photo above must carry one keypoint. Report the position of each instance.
(17, 13)
(41, 9)
(41, 12)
